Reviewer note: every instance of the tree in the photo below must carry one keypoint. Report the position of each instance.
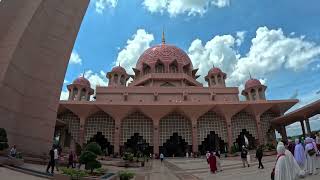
(89, 156)
(3, 139)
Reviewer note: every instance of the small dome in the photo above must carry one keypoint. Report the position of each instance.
(252, 83)
(214, 70)
(165, 53)
(119, 70)
(82, 81)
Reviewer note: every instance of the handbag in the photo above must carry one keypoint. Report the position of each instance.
(312, 151)
(273, 170)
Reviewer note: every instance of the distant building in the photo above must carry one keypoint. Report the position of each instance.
(165, 109)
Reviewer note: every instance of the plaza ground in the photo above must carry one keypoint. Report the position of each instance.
(178, 169)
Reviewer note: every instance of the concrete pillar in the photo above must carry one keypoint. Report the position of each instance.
(216, 79)
(284, 133)
(308, 126)
(259, 130)
(79, 94)
(156, 137)
(303, 129)
(70, 94)
(194, 136)
(116, 136)
(257, 94)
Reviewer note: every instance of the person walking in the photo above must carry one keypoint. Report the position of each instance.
(56, 158)
(13, 151)
(299, 154)
(259, 155)
(217, 154)
(310, 152)
(207, 156)
(161, 157)
(244, 158)
(51, 161)
(213, 163)
(70, 160)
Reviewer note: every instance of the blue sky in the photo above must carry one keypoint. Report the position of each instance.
(278, 41)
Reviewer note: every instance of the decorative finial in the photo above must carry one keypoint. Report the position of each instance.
(163, 37)
(250, 75)
(83, 73)
(119, 64)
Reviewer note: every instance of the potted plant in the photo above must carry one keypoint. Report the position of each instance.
(3, 141)
(126, 175)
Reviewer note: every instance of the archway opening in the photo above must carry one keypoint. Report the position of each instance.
(136, 144)
(245, 139)
(106, 147)
(212, 143)
(175, 146)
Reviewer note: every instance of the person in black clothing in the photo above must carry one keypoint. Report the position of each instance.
(51, 161)
(259, 155)
(244, 158)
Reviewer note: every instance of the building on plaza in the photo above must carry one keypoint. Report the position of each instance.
(166, 109)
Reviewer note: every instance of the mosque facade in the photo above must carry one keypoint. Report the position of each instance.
(166, 109)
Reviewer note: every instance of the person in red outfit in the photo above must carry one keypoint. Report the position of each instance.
(213, 163)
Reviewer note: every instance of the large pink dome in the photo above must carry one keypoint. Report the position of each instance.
(252, 83)
(119, 69)
(82, 81)
(165, 53)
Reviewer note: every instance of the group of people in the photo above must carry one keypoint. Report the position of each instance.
(55, 155)
(213, 159)
(297, 159)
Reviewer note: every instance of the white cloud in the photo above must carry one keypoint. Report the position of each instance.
(176, 7)
(96, 79)
(129, 55)
(75, 58)
(240, 37)
(64, 95)
(65, 81)
(270, 51)
(101, 5)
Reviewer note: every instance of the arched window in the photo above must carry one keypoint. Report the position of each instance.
(261, 93)
(186, 69)
(146, 69)
(213, 80)
(83, 94)
(159, 67)
(219, 79)
(75, 94)
(115, 78)
(253, 94)
(122, 80)
(173, 67)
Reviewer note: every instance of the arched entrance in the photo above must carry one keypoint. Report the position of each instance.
(175, 146)
(106, 147)
(175, 135)
(241, 140)
(212, 143)
(136, 144)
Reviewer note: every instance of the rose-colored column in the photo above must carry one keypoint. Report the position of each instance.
(194, 136)
(82, 131)
(156, 137)
(229, 133)
(308, 126)
(303, 129)
(259, 130)
(116, 136)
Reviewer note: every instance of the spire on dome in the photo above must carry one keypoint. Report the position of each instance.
(250, 75)
(163, 37)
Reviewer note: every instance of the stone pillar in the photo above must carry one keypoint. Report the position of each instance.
(82, 131)
(216, 79)
(79, 94)
(308, 127)
(284, 133)
(156, 137)
(250, 96)
(257, 94)
(70, 94)
(259, 130)
(194, 137)
(229, 133)
(116, 136)
(303, 129)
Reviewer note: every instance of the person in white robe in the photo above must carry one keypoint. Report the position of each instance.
(292, 165)
(311, 166)
(281, 169)
(299, 154)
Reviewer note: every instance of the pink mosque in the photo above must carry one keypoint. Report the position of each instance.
(166, 109)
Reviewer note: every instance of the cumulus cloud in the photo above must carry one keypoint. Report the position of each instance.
(176, 7)
(129, 55)
(270, 51)
(96, 79)
(75, 58)
(101, 5)
(64, 95)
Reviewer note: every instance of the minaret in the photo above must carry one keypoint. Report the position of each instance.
(254, 90)
(216, 78)
(163, 39)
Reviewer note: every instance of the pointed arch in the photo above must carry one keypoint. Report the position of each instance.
(146, 69)
(73, 124)
(267, 131)
(243, 121)
(173, 67)
(159, 67)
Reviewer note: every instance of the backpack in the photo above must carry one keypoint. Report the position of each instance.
(244, 153)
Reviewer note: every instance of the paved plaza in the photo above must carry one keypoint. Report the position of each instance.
(178, 169)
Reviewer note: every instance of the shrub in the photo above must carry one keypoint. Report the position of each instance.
(94, 147)
(126, 175)
(3, 139)
(234, 149)
(127, 156)
(74, 173)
